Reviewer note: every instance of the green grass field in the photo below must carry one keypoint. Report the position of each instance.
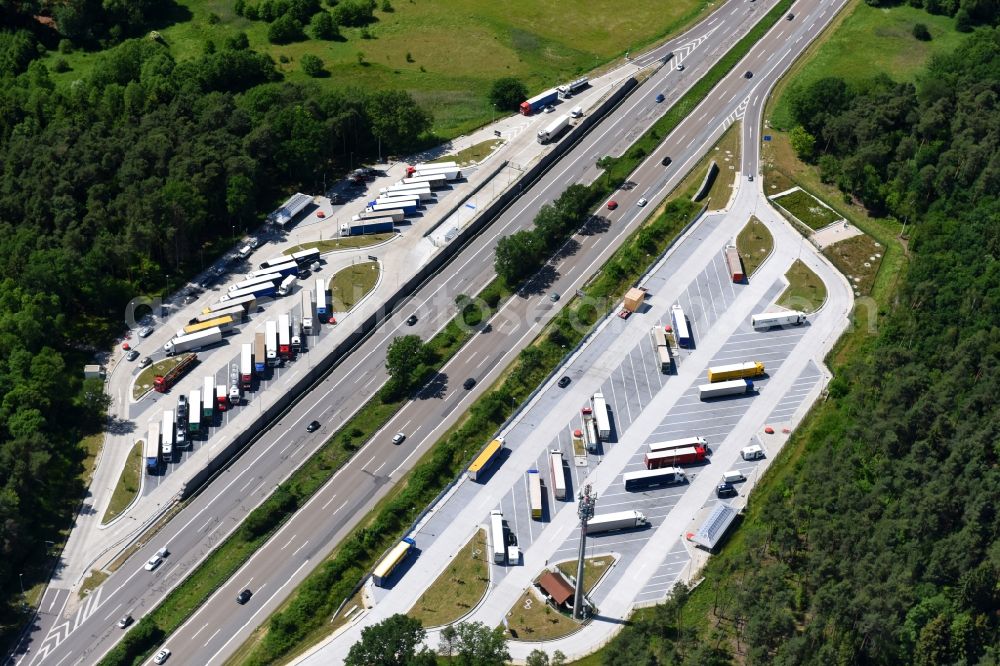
(869, 41)
(459, 587)
(806, 291)
(807, 209)
(754, 243)
(128, 484)
(456, 48)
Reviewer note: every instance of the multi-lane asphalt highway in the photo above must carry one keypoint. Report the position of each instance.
(214, 631)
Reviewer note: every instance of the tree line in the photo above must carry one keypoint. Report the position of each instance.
(879, 544)
(127, 182)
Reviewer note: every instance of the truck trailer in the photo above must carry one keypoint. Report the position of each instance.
(553, 129)
(194, 413)
(449, 173)
(434, 181)
(619, 520)
(396, 215)
(414, 168)
(748, 369)
(601, 419)
(402, 199)
(720, 389)
(422, 190)
(647, 478)
(167, 433)
(271, 342)
(681, 331)
(162, 383)
(383, 570)
(539, 102)
(284, 336)
(766, 320)
(183, 343)
(254, 281)
(568, 90)
(375, 225)
(681, 443)
(246, 302)
(151, 450)
(408, 208)
(237, 312)
(734, 264)
(265, 290)
(687, 456)
(306, 257)
(486, 459)
(246, 366)
(208, 399)
(259, 354)
(321, 307)
(224, 324)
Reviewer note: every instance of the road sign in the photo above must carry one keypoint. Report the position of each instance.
(767, 137)
(372, 257)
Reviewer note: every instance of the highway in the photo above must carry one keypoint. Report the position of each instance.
(215, 630)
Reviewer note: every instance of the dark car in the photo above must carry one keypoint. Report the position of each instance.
(790, 17)
(564, 382)
(725, 490)
(748, 74)
(125, 622)
(659, 97)
(469, 383)
(243, 597)
(666, 161)
(132, 355)
(313, 426)
(411, 320)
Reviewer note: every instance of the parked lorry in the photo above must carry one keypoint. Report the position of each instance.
(539, 102)
(167, 433)
(376, 225)
(734, 264)
(322, 312)
(287, 267)
(396, 215)
(194, 413)
(619, 520)
(748, 369)
(222, 307)
(408, 208)
(162, 383)
(402, 199)
(681, 331)
(183, 343)
(553, 129)
(601, 419)
(271, 342)
(766, 320)
(414, 168)
(634, 298)
(208, 400)
(720, 389)
(246, 365)
(434, 180)
(221, 398)
(573, 87)
(284, 336)
(259, 354)
(306, 257)
(253, 281)
(449, 172)
(286, 285)
(151, 450)
(422, 190)
(685, 456)
(223, 323)
(266, 289)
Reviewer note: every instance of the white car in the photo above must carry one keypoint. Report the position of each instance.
(161, 656)
(145, 331)
(398, 438)
(642, 202)
(152, 563)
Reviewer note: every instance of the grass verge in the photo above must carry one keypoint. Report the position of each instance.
(805, 292)
(473, 154)
(807, 209)
(754, 244)
(347, 243)
(128, 484)
(352, 284)
(594, 569)
(859, 258)
(459, 587)
(91, 582)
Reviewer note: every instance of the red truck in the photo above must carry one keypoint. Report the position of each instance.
(162, 383)
(671, 457)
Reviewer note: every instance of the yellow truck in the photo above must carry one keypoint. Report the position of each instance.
(745, 370)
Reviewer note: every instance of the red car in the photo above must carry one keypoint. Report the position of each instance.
(320, 214)
(624, 314)
(612, 205)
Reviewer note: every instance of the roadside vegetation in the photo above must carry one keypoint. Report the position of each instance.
(473, 154)
(346, 243)
(754, 243)
(349, 285)
(128, 484)
(806, 292)
(834, 559)
(459, 587)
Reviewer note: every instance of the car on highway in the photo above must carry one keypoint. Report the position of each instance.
(132, 355)
(468, 384)
(553, 297)
(145, 331)
(748, 74)
(243, 597)
(612, 205)
(790, 17)
(564, 382)
(725, 489)
(641, 202)
(125, 622)
(161, 656)
(659, 97)
(313, 426)
(152, 563)
(411, 320)
(680, 67)
(398, 438)
(145, 362)
(750, 178)
(666, 161)
(550, 109)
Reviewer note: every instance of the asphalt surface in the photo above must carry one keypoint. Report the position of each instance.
(217, 629)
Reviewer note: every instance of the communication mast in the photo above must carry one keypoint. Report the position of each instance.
(585, 510)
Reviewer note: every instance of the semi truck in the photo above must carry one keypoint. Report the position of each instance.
(151, 450)
(535, 493)
(266, 289)
(321, 309)
(254, 281)
(682, 443)
(568, 90)
(221, 399)
(235, 395)
(539, 102)
(486, 458)
(162, 383)
(194, 413)
(306, 257)
(681, 331)
(419, 166)
(687, 456)
(408, 208)
(601, 419)
(720, 389)
(271, 342)
(208, 399)
(558, 474)
(766, 320)
(224, 323)
(286, 285)
(722, 373)
(553, 129)
(284, 336)
(167, 432)
(287, 267)
(259, 354)
(402, 201)
(422, 190)
(449, 172)
(246, 366)
(396, 215)
(498, 542)
(734, 264)
(376, 225)
(434, 181)
(647, 478)
(237, 312)
(619, 520)
(183, 343)
(383, 570)
(246, 302)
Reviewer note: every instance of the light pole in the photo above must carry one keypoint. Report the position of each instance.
(20, 577)
(585, 509)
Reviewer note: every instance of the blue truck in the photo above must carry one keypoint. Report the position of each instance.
(539, 102)
(372, 225)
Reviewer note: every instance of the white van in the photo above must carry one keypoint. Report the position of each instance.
(576, 112)
(753, 452)
(733, 476)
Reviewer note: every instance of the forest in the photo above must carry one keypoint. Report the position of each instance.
(128, 182)
(879, 546)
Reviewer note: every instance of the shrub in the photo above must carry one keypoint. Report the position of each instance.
(284, 30)
(311, 65)
(921, 32)
(323, 26)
